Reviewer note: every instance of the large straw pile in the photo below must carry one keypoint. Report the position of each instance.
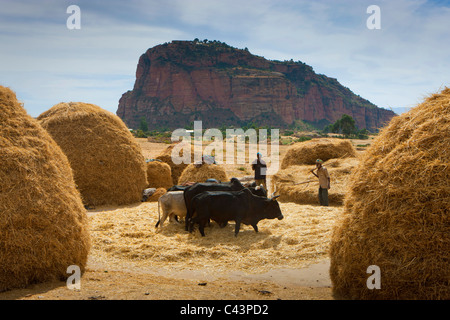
(193, 173)
(159, 175)
(308, 152)
(43, 224)
(397, 211)
(297, 183)
(108, 164)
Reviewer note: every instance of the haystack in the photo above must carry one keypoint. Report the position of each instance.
(159, 174)
(397, 211)
(177, 169)
(193, 173)
(108, 164)
(43, 224)
(297, 184)
(308, 152)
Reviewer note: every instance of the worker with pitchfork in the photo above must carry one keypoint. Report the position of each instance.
(324, 182)
(260, 168)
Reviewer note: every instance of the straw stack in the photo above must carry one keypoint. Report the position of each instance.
(43, 224)
(307, 152)
(107, 162)
(159, 175)
(194, 173)
(177, 169)
(397, 211)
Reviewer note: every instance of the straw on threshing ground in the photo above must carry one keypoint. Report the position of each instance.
(125, 238)
(308, 152)
(397, 211)
(159, 175)
(43, 224)
(107, 162)
(193, 173)
(297, 183)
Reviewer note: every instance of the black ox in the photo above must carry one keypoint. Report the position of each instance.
(239, 206)
(234, 185)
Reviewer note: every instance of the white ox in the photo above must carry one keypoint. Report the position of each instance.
(172, 204)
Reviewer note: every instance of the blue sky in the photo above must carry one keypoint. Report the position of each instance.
(394, 67)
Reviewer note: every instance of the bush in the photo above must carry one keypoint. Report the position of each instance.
(139, 134)
(303, 138)
(363, 134)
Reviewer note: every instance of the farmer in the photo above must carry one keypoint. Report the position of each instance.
(324, 182)
(260, 168)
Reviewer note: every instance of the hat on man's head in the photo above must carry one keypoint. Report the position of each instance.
(319, 161)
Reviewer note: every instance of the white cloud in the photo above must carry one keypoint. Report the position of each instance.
(393, 67)
(49, 63)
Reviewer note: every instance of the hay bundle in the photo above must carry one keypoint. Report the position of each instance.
(43, 224)
(177, 169)
(108, 164)
(297, 184)
(397, 211)
(159, 175)
(308, 152)
(201, 174)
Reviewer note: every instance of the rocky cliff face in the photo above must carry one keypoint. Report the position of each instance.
(182, 81)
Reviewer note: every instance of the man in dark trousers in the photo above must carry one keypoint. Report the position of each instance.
(260, 168)
(324, 182)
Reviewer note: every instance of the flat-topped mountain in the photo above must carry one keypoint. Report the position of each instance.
(182, 81)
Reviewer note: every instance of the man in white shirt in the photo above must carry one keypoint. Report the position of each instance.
(324, 182)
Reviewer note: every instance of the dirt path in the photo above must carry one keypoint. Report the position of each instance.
(310, 283)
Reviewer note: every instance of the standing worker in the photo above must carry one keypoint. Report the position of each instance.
(260, 168)
(324, 182)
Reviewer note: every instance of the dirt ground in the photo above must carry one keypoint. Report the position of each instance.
(129, 259)
(101, 284)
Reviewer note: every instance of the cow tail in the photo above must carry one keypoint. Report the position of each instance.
(186, 221)
(159, 217)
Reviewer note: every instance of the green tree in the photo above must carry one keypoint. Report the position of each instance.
(143, 124)
(336, 127)
(347, 125)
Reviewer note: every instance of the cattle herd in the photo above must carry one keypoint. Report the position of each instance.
(221, 202)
